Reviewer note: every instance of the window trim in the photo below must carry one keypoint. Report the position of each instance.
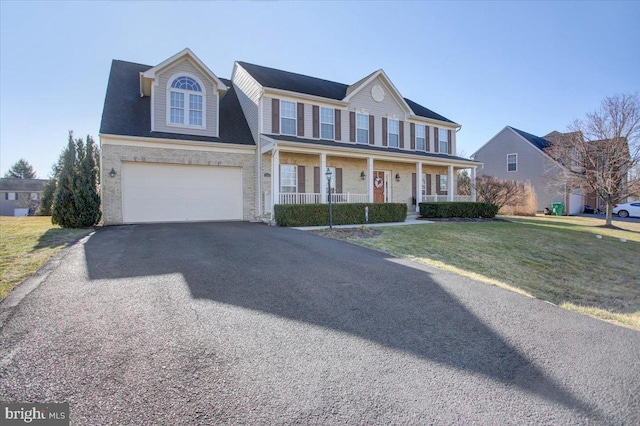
(294, 118)
(442, 131)
(360, 128)
(445, 178)
(424, 138)
(515, 162)
(11, 196)
(295, 179)
(333, 123)
(186, 109)
(389, 133)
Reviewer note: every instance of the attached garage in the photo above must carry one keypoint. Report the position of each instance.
(154, 192)
(576, 201)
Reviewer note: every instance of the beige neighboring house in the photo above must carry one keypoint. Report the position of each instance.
(513, 154)
(179, 144)
(20, 197)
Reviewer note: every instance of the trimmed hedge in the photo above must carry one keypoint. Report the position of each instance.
(343, 214)
(458, 209)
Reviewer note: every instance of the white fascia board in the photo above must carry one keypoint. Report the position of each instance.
(433, 121)
(290, 94)
(151, 72)
(305, 148)
(185, 144)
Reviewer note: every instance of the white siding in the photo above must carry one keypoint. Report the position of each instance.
(160, 101)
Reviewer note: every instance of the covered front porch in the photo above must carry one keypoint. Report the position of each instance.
(294, 174)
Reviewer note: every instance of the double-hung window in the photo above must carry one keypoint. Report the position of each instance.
(394, 132)
(288, 178)
(327, 122)
(288, 118)
(443, 138)
(362, 128)
(442, 185)
(421, 139)
(512, 162)
(186, 102)
(10, 196)
(34, 196)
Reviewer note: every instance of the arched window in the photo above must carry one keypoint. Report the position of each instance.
(186, 102)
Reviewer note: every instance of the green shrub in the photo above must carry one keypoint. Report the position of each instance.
(343, 214)
(458, 209)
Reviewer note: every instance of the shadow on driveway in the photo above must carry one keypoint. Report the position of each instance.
(323, 282)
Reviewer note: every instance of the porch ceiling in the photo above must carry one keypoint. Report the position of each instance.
(352, 150)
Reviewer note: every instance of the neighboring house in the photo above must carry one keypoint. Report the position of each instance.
(516, 155)
(178, 143)
(20, 197)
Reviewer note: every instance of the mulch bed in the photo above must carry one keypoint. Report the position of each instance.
(462, 219)
(347, 233)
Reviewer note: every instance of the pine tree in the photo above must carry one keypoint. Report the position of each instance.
(86, 195)
(46, 202)
(21, 170)
(64, 211)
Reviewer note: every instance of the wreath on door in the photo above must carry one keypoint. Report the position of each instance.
(378, 182)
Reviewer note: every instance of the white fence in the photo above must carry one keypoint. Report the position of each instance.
(314, 198)
(438, 198)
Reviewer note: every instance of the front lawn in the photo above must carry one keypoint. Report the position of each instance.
(559, 259)
(26, 243)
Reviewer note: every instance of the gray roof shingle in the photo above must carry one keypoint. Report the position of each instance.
(539, 142)
(284, 80)
(18, 185)
(126, 113)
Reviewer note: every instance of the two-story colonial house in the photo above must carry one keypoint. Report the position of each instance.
(178, 143)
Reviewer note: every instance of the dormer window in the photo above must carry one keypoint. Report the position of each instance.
(186, 103)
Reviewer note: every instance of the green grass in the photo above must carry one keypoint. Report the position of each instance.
(26, 243)
(558, 259)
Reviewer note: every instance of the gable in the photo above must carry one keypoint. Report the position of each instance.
(378, 98)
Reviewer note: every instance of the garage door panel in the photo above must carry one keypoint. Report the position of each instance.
(179, 193)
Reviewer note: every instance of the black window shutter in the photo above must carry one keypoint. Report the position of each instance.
(275, 115)
(412, 135)
(436, 140)
(316, 180)
(372, 128)
(426, 136)
(352, 126)
(413, 188)
(338, 124)
(384, 131)
(300, 119)
(428, 184)
(450, 143)
(339, 180)
(316, 121)
(401, 134)
(301, 187)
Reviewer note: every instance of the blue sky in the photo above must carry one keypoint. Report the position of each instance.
(532, 65)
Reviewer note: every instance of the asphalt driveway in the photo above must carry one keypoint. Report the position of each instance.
(216, 323)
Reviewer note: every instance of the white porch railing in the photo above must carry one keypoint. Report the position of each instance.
(349, 198)
(299, 198)
(314, 198)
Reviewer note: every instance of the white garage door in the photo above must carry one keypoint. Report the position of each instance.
(576, 202)
(178, 193)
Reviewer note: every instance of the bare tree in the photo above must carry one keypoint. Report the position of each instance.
(500, 192)
(601, 151)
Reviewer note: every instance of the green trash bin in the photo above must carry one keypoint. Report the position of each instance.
(557, 209)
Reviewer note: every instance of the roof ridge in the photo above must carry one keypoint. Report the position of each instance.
(290, 72)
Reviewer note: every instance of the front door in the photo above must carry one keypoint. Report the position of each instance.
(379, 185)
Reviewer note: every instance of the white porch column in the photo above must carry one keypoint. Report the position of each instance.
(275, 177)
(418, 185)
(370, 178)
(473, 184)
(451, 184)
(323, 178)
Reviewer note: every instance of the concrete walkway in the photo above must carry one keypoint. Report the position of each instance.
(411, 220)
